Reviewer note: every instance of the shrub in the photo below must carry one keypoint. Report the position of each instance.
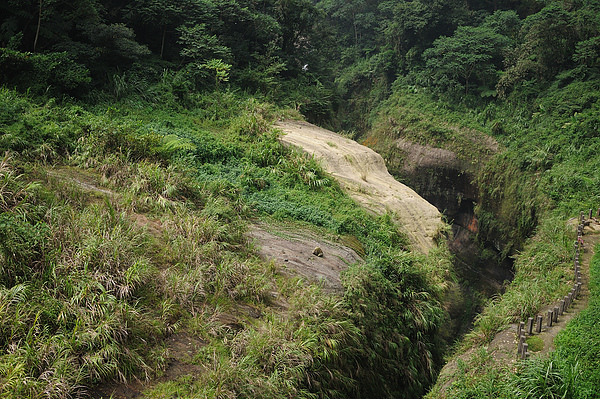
(390, 301)
(40, 73)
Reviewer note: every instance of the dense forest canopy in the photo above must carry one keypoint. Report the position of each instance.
(328, 51)
(256, 41)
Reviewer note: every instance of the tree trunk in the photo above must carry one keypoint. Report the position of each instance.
(355, 29)
(37, 31)
(162, 43)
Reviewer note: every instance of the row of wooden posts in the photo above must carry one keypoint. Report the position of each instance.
(526, 328)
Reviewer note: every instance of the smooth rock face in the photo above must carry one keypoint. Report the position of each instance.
(363, 174)
(296, 249)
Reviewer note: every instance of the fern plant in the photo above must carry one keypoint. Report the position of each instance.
(172, 144)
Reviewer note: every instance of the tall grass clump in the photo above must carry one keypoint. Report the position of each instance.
(38, 129)
(478, 376)
(70, 316)
(296, 353)
(203, 252)
(399, 315)
(23, 236)
(547, 377)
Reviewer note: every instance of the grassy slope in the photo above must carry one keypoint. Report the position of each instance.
(123, 225)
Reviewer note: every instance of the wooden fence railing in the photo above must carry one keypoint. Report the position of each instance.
(551, 317)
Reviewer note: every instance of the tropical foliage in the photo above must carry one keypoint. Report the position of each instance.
(166, 106)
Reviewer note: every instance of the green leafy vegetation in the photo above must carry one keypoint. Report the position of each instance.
(120, 230)
(137, 148)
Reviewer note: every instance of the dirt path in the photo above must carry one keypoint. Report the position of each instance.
(363, 174)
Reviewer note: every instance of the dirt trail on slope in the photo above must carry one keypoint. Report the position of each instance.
(363, 174)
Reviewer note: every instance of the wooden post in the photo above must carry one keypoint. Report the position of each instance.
(581, 217)
(590, 216)
(549, 321)
(555, 315)
(530, 325)
(521, 342)
(570, 296)
(538, 326)
(598, 213)
(561, 307)
(524, 351)
(520, 328)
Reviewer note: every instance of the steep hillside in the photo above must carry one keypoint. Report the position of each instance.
(147, 205)
(141, 255)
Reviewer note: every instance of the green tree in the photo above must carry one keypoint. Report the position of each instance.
(409, 27)
(472, 56)
(199, 45)
(546, 44)
(219, 69)
(296, 19)
(159, 19)
(356, 17)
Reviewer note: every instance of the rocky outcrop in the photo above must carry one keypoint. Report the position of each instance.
(363, 174)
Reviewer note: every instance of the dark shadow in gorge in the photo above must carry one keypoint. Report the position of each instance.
(481, 271)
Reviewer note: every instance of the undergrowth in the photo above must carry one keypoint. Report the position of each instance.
(123, 225)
